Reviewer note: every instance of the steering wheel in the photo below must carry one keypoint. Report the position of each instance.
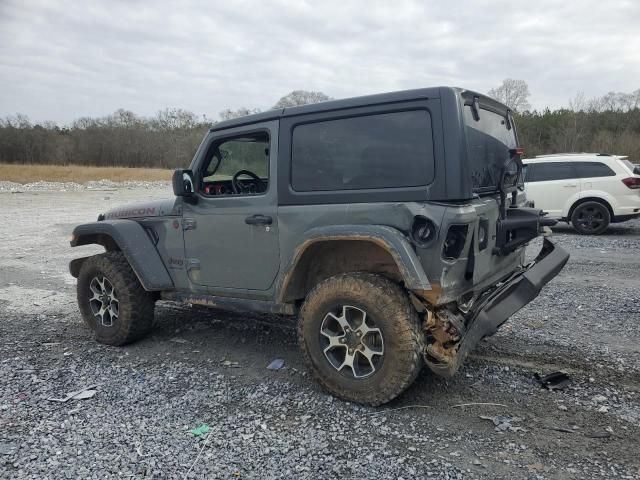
(239, 187)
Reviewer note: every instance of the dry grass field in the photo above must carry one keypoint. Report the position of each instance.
(79, 174)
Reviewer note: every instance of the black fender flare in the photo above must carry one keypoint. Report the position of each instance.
(134, 242)
(389, 238)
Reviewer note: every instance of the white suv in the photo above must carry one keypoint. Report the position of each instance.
(590, 190)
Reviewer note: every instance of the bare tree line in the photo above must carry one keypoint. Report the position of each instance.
(607, 124)
(121, 139)
(124, 139)
(610, 123)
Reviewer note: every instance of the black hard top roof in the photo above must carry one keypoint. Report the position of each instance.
(381, 98)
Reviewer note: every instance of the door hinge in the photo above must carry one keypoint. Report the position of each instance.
(189, 224)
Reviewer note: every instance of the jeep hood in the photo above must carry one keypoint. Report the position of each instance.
(156, 208)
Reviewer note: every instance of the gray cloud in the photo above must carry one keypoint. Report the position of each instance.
(61, 60)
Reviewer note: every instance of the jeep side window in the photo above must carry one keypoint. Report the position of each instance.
(387, 150)
(237, 166)
(543, 172)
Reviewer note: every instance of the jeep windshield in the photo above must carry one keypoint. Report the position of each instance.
(490, 136)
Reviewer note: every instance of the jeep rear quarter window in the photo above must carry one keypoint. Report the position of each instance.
(490, 136)
(386, 150)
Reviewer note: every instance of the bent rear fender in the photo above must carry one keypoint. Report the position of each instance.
(134, 242)
(390, 239)
(494, 309)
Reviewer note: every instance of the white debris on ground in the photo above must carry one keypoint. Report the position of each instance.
(34, 301)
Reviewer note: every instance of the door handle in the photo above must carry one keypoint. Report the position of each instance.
(258, 220)
(570, 185)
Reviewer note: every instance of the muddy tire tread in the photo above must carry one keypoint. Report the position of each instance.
(140, 304)
(394, 301)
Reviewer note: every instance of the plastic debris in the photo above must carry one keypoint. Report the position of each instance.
(561, 429)
(178, 340)
(82, 394)
(277, 364)
(503, 423)
(554, 381)
(201, 430)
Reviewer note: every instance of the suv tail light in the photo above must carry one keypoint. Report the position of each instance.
(632, 182)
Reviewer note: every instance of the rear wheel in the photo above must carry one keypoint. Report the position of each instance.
(361, 338)
(591, 218)
(112, 301)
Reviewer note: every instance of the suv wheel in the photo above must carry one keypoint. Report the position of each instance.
(361, 338)
(591, 218)
(112, 301)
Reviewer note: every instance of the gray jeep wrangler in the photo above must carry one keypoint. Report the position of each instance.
(392, 225)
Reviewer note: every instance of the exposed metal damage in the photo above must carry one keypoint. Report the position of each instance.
(443, 332)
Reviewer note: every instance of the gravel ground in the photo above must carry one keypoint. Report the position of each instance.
(209, 367)
(43, 186)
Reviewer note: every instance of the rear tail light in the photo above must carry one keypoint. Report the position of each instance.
(483, 234)
(632, 182)
(455, 240)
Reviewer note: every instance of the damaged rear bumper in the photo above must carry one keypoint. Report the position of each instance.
(496, 307)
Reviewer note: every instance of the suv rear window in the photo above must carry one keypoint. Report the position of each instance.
(386, 150)
(543, 172)
(593, 169)
(630, 165)
(489, 140)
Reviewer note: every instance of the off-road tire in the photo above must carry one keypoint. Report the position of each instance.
(136, 305)
(604, 218)
(393, 314)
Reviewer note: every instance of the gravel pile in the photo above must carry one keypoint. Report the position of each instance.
(42, 186)
(279, 425)
(138, 425)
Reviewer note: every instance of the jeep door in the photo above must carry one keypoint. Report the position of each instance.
(231, 231)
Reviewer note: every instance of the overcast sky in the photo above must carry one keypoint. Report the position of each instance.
(60, 60)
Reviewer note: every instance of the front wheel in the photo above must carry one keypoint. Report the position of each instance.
(112, 301)
(361, 338)
(591, 218)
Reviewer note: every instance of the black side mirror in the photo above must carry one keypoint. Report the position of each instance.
(183, 183)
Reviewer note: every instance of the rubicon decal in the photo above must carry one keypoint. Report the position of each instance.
(136, 212)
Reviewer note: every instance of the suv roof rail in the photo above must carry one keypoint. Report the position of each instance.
(568, 154)
(579, 154)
